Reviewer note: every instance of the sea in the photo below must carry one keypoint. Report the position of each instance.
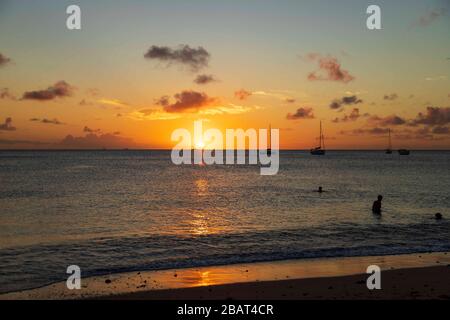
(120, 211)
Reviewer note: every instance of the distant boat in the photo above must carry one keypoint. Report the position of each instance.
(269, 149)
(320, 150)
(389, 149)
(404, 152)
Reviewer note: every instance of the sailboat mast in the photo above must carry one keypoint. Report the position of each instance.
(321, 136)
(270, 137)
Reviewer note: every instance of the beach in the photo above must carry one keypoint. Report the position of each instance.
(410, 276)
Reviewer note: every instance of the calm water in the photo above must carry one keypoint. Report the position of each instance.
(114, 211)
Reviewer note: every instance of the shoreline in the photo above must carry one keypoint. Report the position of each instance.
(250, 279)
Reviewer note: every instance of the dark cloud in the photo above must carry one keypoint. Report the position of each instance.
(428, 133)
(440, 130)
(164, 101)
(369, 131)
(4, 60)
(84, 102)
(186, 101)
(301, 113)
(94, 141)
(433, 116)
(345, 101)
(392, 120)
(431, 16)
(204, 79)
(7, 125)
(5, 94)
(59, 90)
(329, 69)
(390, 97)
(194, 58)
(47, 121)
(242, 94)
(89, 130)
(353, 116)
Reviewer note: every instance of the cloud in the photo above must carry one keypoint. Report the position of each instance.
(89, 130)
(369, 131)
(431, 16)
(329, 69)
(228, 109)
(7, 125)
(204, 79)
(152, 115)
(113, 102)
(392, 120)
(85, 102)
(187, 101)
(301, 113)
(4, 60)
(344, 101)
(59, 90)
(194, 58)
(353, 116)
(433, 116)
(440, 130)
(390, 97)
(427, 133)
(282, 95)
(47, 121)
(5, 94)
(436, 78)
(94, 141)
(242, 94)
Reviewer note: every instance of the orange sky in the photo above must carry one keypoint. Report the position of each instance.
(131, 83)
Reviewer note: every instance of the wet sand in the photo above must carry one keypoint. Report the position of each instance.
(402, 284)
(412, 276)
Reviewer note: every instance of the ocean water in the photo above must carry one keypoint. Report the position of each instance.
(116, 211)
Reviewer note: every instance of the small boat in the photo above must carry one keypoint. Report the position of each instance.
(320, 150)
(389, 149)
(269, 149)
(404, 152)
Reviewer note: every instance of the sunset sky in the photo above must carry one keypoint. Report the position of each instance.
(137, 70)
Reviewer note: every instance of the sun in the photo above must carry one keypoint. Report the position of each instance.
(199, 145)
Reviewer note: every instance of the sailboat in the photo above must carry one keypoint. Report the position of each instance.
(389, 149)
(320, 150)
(269, 149)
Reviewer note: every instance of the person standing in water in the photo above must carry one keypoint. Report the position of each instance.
(376, 207)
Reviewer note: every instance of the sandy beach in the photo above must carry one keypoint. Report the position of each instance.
(412, 276)
(401, 284)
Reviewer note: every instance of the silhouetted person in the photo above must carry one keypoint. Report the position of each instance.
(376, 207)
(438, 216)
(320, 190)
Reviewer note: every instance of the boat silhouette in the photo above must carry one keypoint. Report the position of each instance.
(320, 150)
